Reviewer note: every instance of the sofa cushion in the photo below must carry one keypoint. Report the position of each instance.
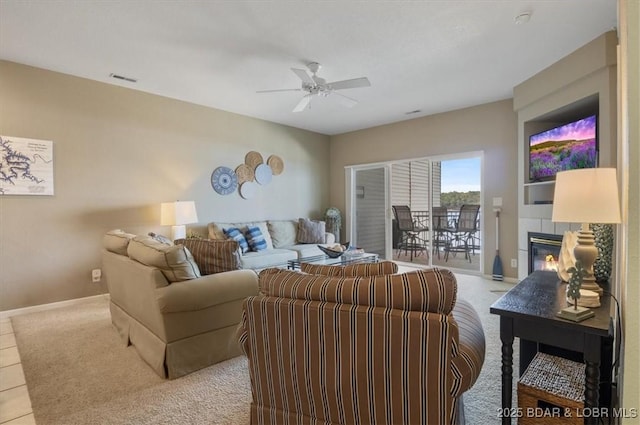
(255, 238)
(283, 232)
(216, 230)
(213, 256)
(433, 290)
(175, 261)
(351, 270)
(267, 258)
(117, 241)
(235, 234)
(310, 231)
(304, 250)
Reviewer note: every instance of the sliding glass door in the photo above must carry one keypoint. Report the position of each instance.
(427, 188)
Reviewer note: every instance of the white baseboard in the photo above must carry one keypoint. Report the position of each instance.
(42, 307)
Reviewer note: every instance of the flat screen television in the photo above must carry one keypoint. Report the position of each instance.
(566, 147)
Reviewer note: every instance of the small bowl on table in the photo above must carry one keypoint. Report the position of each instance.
(333, 253)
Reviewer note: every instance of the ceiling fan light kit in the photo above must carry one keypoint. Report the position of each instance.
(318, 86)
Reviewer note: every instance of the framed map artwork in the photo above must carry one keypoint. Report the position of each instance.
(26, 166)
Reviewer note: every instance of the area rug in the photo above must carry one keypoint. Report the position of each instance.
(78, 372)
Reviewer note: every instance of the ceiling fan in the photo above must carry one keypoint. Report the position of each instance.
(317, 86)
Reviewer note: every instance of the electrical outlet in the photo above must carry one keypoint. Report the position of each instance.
(514, 263)
(96, 275)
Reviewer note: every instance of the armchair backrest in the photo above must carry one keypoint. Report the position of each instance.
(337, 350)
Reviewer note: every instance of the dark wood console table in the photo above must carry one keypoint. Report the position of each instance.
(528, 311)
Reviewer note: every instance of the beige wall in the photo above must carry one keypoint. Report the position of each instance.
(630, 44)
(490, 128)
(118, 154)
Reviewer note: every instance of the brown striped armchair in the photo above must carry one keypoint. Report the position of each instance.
(387, 349)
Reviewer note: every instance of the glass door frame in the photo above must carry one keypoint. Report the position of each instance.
(350, 203)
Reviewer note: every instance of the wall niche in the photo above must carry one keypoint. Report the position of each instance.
(580, 84)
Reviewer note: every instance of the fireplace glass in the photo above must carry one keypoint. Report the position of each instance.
(544, 250)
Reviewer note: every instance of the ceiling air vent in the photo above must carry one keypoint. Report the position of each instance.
(122, 77)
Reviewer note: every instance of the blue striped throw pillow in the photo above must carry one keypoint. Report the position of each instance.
(235, 234)
(256, 239)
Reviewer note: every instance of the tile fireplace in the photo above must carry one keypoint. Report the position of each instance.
(544, 249)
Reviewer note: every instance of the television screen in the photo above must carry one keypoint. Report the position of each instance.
(566, 147)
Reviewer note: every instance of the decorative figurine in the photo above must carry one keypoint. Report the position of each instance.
(576, 313)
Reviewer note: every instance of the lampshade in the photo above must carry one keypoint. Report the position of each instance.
(178, 213)
(588, 195)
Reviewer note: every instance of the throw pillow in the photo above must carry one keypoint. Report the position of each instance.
(256, 239)
(213, 256)
(283, 232)
(310, 231)
(235, 234)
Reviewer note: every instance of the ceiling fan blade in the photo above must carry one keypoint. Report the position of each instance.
(302, 104)
(276, 90)
(345, 100)
(302, 74)
(349, 84)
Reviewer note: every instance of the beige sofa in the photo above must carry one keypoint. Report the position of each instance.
(177, 320)
(283, 238)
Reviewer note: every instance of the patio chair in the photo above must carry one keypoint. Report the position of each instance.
(461, 237)
(440, 225)
(411, 240)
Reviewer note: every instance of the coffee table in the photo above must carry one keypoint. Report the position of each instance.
(343, 260)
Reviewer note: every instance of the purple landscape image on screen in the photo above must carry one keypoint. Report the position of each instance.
(566, 147)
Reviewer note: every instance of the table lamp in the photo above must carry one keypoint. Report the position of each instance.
(588, 195)
(177, 214)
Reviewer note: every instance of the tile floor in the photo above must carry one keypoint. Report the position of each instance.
(15, 405)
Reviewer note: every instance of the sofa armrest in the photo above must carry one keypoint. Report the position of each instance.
(207, 291)
(329, 238)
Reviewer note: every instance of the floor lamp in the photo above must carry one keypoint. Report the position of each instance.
(588, 195)
(177, 214)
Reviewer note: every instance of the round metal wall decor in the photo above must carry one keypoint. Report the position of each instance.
(263, 174)
(224, 180)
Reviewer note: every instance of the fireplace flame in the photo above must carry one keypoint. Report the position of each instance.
(550, 263)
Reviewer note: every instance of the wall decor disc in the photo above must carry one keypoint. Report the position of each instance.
(224, 180)
(263, 174)
(244, 173)
(253, 159)
(276, 164)
(248, 190)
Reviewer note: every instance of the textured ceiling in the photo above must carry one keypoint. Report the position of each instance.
(431, 56)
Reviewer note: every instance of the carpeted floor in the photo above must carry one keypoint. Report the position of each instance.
(78, 372)
(453, 261)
